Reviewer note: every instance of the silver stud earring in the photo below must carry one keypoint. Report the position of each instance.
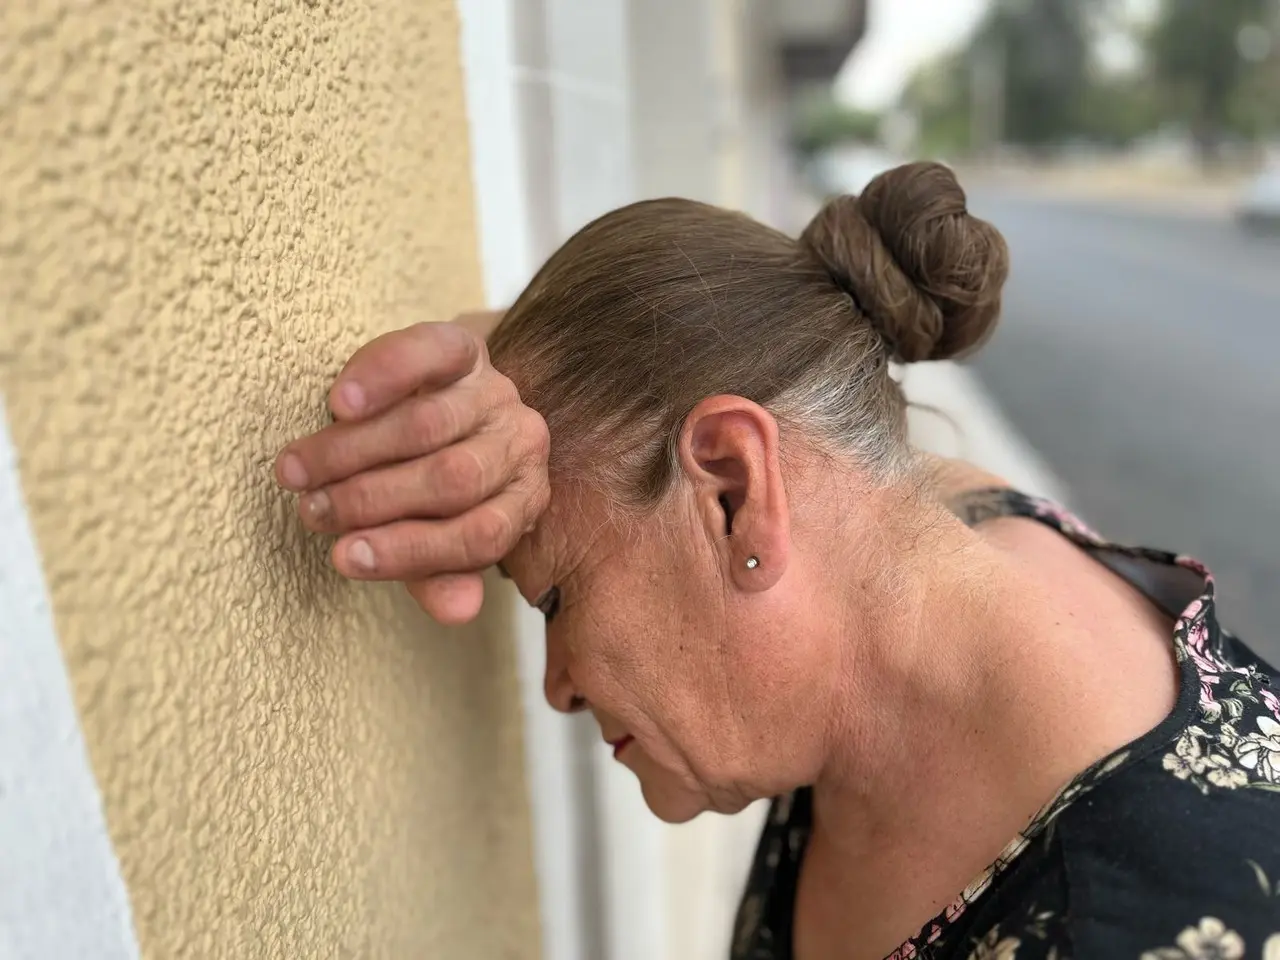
(753, 562)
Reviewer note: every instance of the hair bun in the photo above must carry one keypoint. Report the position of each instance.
(927, 274)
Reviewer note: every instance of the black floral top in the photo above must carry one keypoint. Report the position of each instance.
(1169, 849)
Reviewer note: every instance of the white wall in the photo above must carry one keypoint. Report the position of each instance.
(61, 892)
(578, 107)
(674, 98)
(549, 94)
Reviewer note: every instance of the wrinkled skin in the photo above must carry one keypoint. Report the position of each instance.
(662, 629)
(668, 637)
(936, 685)
(424, 427)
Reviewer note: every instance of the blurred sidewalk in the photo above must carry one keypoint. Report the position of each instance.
(1165, 187)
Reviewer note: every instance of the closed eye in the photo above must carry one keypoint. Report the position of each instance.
(549, 603)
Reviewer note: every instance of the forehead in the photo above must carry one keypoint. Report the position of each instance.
(573, 528)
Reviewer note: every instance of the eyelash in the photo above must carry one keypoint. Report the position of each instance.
(549, 603)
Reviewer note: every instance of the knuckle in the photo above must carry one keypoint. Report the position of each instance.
(504, 389)
(459, 472)
(498, 395)
(539, 500)
(532, 438)
(410, 551)
(538, 435)
(420, 552)
(354, 502)
(447, 349)
(490, 535)
(432, 421)
(422, 330)
(462, 347)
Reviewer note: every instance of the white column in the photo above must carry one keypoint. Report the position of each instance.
(673, 69)
(578, 107)
(511, 216)
(549, 88)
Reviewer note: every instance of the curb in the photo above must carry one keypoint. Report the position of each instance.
(952, 415)
(1131, 192)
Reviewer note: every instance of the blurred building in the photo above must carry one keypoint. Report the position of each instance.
(210, 745)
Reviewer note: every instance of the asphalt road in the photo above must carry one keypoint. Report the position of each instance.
(1140, 354)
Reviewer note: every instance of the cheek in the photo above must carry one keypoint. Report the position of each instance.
(625, 645)
(654, 668)
(612, 658)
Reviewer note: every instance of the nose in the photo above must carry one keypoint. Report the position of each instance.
(557, 685)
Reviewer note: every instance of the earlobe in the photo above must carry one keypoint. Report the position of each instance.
(728, 451)
(754, 575)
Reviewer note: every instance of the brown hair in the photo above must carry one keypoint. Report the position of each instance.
(654, 307)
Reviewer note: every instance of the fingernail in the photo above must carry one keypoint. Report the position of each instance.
(352, 396)
(361, 555)
(317, 506)
(292, 473)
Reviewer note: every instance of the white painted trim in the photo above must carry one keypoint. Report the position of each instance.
(497, 174)
(567, 82)
(503, 214)
(61, 891)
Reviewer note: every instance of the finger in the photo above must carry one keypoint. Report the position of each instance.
(451, 598)
(410, 429)
(418, 549)
(444, 484)
(395, 365)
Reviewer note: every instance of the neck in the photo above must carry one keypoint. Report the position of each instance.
(982, 714)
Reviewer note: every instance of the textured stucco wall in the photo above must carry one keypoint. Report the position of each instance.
(204, 206)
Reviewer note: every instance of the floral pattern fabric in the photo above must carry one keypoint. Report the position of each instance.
(1164, 850)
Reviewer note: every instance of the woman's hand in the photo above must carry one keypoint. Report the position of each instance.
(432, 470)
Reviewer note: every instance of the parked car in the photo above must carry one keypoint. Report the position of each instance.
(1260, 203)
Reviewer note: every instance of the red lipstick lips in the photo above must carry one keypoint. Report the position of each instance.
(620, 745)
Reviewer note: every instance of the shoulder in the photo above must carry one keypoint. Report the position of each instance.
(969, 492)
(950, 478)
(1047, 935)
(1148, 865)
(1153, 929)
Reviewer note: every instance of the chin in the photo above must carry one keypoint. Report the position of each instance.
(671, 807)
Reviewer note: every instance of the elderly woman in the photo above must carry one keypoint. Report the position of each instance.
(988, 732)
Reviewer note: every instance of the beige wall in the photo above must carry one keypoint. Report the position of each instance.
(204, 206)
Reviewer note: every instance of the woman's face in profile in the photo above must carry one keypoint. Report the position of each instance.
(644, 630)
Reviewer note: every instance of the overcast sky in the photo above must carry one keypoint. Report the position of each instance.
(903, 34)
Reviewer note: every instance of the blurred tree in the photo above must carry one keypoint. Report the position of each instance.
(1043, 50)
(1026, 77)
(1194, 48)
(939, 97)
(1119, 110)
(823, 122)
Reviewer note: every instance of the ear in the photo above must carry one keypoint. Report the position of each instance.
(729, 452)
